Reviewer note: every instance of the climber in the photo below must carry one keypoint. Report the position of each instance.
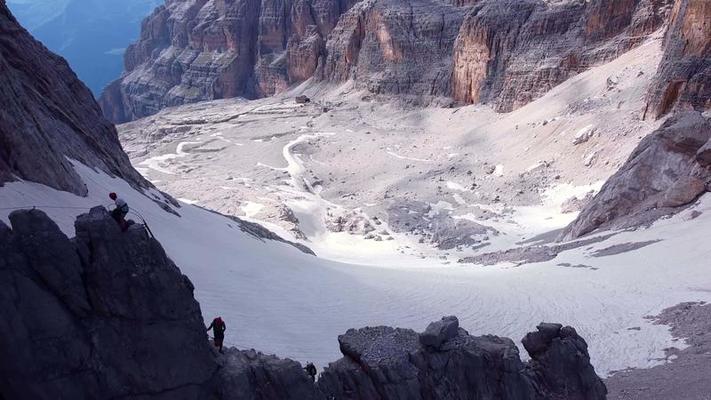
(119, 213)
(218, 328)
(310, 369)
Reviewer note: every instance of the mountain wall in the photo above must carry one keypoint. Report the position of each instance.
(48, 116)
(671, 167)
(108, 315)
(193, 50)
(507, 53)
(682, 80)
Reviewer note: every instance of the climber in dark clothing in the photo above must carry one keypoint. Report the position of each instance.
(218, 328)
(119, 213)
(310, 369)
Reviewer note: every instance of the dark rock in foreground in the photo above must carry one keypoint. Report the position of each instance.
(108, 315)
(392, 363)
(104, 315)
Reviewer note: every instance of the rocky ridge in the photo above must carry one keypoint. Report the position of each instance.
(47, 117)
(507, 53)
(107, 315)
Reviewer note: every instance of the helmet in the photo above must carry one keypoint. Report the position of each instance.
(112, 195)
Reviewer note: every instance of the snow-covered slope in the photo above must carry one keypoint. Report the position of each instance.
(278, 299)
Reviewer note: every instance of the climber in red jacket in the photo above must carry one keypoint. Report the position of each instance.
(218, 328)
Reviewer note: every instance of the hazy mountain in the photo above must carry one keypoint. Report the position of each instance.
(90, 34)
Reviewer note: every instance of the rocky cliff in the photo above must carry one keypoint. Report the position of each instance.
(47, 116)
(682, 80)
(105, 315)
(108, 315)
(502, 52)
(193, 50)
(511, 52)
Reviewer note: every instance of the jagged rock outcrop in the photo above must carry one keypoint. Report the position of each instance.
(193, 50)
(47, 115)
(685, 70)
(250, 375)
(503, 52)
(392, 363)
(669, 169)
(105, 315)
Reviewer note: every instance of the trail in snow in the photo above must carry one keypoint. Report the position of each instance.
(161, 163)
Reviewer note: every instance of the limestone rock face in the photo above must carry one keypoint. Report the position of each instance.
(503, 52)
(105, 315)
(47, 115)
(685, 70)
(193, 50)
(511, 52)
(395, 47)
(668, 169)
(390, 363)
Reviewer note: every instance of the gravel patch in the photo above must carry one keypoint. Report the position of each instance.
(688, 375)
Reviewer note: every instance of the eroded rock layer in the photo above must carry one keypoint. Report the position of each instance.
(684, 75)
(504, 52)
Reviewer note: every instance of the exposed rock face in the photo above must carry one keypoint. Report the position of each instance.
(47, 115)
(670, 168)
(391, 363)
(685, 71)
(395, 47)
(250, 375)
(193, 50)
(504, 52)
(105, 315)
(512, 52)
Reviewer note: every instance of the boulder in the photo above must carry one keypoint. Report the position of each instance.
(440, 331)
(302, 99)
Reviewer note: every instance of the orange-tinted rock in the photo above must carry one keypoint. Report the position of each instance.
(511, 52)
(684, 75)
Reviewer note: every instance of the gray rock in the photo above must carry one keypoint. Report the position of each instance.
(47, 116)
(703, 156)
(250, 375)
(104, 315)
(389, 363)
(661, 175)
(684, 72)
(440, 331)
